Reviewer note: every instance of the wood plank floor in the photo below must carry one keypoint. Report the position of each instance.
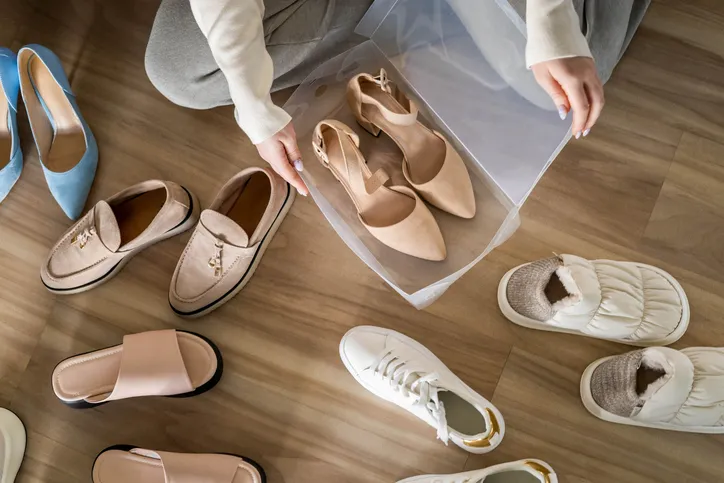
(647, 185)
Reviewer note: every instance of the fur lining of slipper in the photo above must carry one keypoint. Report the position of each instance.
(653, 359)
(569, 283)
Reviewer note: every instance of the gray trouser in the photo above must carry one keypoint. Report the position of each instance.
(609, 26)
(300, 35)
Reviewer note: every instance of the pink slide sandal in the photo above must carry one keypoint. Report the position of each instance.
(171, 363)
(124, 464)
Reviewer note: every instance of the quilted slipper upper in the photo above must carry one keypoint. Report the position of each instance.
(663, 385)
(600, 298)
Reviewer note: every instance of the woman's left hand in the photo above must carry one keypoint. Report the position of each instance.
(573, 83)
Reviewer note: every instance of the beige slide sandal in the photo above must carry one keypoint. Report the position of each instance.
(157, 363)
(430, 164)
(125, 464)
(396, 216)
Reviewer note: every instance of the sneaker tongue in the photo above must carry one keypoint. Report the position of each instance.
(107, 226)
(224, 228)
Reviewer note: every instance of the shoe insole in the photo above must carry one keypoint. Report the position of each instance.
(383, 207)
(118, 466)
(68, 144)
(249, 207)
(424, 152)
(515, 476)
(94, 374)
(135, 214)
(6, 140)
(461, 415)
(555, 290)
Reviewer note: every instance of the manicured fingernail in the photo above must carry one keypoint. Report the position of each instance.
(578, 135)
(585, 133)
(298, 165)
(562, 112)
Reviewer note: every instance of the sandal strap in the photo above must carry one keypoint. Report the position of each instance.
(151, 365)
(376, 181)
(318, 140)
(398, 119)
(195, 468)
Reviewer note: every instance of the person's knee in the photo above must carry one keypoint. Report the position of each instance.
(168, 78)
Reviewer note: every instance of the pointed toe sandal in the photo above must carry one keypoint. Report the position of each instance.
(430, 164)
(229, 241)
(124, 464)
(396, 216)
(156, 363)
(99, 245)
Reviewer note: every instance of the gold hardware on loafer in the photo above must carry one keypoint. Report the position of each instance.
(82, 238)
(215, 260)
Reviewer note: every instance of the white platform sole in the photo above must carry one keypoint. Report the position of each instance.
(593, 408)
(521, 320)
(421, 348)
(187, 225)
(14, 431)
(257, 260)
(480, 475)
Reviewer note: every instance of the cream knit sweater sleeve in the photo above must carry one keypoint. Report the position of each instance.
(236, 36)
(554, 31)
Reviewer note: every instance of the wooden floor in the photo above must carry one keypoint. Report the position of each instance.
(647, 185)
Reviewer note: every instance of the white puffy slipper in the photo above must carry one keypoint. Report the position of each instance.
(523, 471)
(659, 388)
(12, 445)
(626, 302)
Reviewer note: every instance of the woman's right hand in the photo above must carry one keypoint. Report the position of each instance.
(282, 153)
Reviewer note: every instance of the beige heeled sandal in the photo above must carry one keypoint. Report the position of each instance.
(430, 164)
(396, 216)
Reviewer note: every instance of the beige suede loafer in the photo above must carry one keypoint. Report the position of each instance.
(229, 241)
(99, 245)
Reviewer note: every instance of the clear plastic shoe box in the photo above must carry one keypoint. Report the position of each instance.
(463, 62)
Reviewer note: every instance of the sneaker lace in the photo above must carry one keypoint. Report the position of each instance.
(81, 238)
(416, 384)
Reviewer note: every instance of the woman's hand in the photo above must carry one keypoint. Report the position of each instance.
(282, 153)
(573, 83)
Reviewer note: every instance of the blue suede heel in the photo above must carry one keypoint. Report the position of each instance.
(68, 185)
(11, 157)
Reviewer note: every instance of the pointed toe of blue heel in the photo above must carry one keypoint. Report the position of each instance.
(67, 149)
(11, 157)
(71, 189)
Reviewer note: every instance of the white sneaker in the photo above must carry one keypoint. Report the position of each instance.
(626, 302)
(523, 471)
(12, 445)
(659, 388)
(402, 371)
